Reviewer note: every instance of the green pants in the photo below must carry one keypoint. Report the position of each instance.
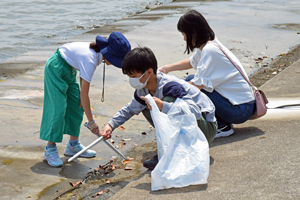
(61, 112)
(209, 129)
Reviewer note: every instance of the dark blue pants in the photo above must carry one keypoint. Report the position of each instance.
(226, 113)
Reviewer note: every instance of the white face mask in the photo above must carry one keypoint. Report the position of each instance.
(136, 84)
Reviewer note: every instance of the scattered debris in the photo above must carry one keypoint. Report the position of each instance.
(144, 133)
(259, 59)
(93, 108)
(126, 139)
(101, 170)
(74, 184)
(112, 141)
(283, 54)
(124, 162)
(281, 65)
(128, 168)
(121, 128)
(98, 194)
(136, 145)
(121, 145)
(113, 166)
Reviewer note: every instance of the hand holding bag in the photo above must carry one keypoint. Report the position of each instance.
(260, 97)
(183, 150)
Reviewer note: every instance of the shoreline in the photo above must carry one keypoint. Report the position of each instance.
(259, 69)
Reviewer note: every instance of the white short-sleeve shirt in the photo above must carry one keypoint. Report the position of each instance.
(216, 72)
(81, 57)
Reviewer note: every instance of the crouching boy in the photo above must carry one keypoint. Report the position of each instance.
(141, 66)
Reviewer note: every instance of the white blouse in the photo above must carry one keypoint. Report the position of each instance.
(216, 72)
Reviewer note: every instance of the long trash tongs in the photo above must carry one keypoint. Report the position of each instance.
(93, 144)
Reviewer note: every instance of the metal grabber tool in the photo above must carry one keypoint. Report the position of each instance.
(93, 144)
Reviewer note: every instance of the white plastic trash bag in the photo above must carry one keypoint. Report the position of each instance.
(183, 150)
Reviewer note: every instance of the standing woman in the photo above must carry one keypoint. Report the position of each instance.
(65, 100)
(216, 76)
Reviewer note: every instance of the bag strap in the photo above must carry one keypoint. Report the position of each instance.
(237, 67)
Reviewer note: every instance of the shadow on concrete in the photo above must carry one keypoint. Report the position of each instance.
(147, 187)
(70, 170)
(240, 134)
(187, 189)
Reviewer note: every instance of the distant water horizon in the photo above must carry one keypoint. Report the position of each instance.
(30, 24)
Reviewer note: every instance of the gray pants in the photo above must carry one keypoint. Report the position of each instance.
(209, 129)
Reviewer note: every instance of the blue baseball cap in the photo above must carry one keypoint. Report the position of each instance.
(115, 48)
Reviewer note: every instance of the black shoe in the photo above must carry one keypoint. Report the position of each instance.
(151, 163)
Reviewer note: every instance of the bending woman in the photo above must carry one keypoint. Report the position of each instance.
(216, 76)
(65, 101)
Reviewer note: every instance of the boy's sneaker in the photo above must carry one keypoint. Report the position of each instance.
(151, 163)
(52, 157)
(225, 131)
(71, 151)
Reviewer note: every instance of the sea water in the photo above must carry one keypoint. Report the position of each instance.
(27, 25)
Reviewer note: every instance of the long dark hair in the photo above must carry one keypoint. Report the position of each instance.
(95, 47)
(196, 29)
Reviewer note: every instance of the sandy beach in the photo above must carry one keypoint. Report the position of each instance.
(263, 35)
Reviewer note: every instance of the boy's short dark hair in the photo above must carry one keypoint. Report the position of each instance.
(139, 60)
(196, 29)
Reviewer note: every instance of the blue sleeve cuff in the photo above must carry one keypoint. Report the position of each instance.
(112, 124)
(166, 107)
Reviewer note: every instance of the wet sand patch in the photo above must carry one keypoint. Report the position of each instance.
(10, 70)
(288, 26)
